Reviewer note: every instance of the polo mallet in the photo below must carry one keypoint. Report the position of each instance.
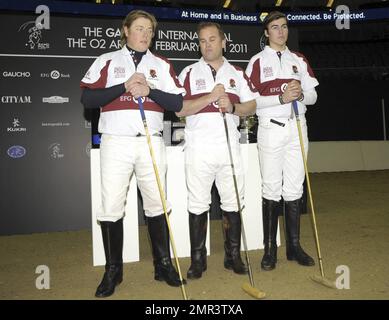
(248, 288)
(319, 279)
(162, 195)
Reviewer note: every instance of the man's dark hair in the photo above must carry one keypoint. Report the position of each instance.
(203, 25)
(274, 15)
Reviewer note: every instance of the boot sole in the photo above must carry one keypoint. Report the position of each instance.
(232, 269)
(267, 268)
(301, 264)
(105, 295)
(196, 275)
(159, 278)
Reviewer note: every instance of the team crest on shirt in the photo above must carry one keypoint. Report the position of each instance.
(153, 73)
(119, 72)
(232, 84)
(152, 77)
(295, 70)
(200, 84)
(268, 72)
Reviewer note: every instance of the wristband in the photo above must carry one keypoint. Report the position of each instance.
(281, 99)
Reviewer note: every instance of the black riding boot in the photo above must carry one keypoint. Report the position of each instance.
(159, 236)
(232, 233)
(292, 226)
(198, 253)
(113, 247)
(270, 210)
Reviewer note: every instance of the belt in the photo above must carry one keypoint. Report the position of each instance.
(277, 123)
(157, 134)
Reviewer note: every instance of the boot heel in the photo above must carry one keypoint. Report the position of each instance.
(196, 270)
(119, 280)
(172, 280)
(227, 265)
(290, 257)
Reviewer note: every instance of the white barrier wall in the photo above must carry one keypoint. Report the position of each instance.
(331, 156)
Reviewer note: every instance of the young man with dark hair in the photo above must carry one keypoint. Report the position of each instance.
(281, 76)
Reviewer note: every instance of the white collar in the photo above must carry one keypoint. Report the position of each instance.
(202, 61)
(271, 51)
(126, 52)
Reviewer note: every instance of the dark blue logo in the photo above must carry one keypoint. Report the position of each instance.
(16, 152)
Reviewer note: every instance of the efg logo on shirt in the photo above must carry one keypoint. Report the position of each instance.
(279, 89)
(136, 100)
(283, 86)
(295, 70)
(120, 72)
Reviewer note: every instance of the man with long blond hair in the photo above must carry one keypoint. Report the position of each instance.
(114, 83)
